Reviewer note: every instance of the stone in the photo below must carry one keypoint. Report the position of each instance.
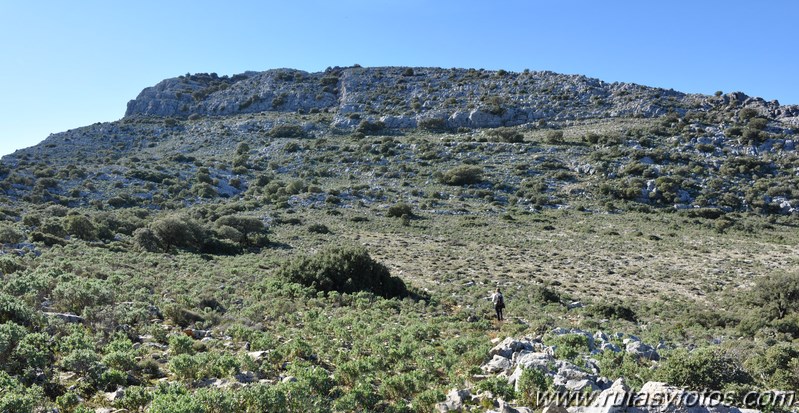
(610, 346)
(455, 400)
(539, 360)
(640, 349)
(289, 379)
(600, 336)
(580, 385)
(508, 346)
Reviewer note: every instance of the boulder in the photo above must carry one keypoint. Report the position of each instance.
(481, 119)
(258, 355)
(497, 364)
(640, 349)
(539, 360)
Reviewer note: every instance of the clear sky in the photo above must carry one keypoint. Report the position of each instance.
(65, 64)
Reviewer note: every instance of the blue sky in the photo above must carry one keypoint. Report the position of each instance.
(70, 64)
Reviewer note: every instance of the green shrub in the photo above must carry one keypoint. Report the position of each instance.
(544, 295)
(46, 239)
(498, 386)
(509, 135)
(252, 229)
(319, 229)
(178, 231)
(181, 344)
(136, 398)
(14, 310)
(777, 294)
(569, 346)
(613, 310)
(462, 175)
(433, 125)
(81, 227)
(10, 235)
(146, 240)
(287, 131)
(704, 368)
(184, 366)
(370, 128)
(554, 137)
(398, 210)
(81, 361)
(777, 367)
(79, 293)
(531, 382)
(343, 269)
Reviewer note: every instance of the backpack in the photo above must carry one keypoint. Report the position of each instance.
(500, 301)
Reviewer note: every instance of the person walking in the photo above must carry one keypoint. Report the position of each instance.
(499, 303)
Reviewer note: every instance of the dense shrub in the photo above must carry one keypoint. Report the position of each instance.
(251, 229)
(14, 310)
(10, 235)
(178, 231)
(509, 135)
(705, 368)
(79, 293)
(777, 294)
(146, 240)
(778, 367)
(433, 124)
(370, 128)
(462, 175)
(287, 131)
(613, 310)
(343, 269)
(81, 227)
(398, 210)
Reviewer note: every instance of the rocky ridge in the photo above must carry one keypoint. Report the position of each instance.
(402, 97)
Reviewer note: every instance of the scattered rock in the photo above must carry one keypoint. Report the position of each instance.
(68, 317)
(640, 349)
(455, 401)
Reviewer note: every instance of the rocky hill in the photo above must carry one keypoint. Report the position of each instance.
(328, 242)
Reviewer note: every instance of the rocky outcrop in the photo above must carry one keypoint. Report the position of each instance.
(461, 98)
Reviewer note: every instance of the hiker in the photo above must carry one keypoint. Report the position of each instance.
(499, 303)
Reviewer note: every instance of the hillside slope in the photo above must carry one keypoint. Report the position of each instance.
(327, 242)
